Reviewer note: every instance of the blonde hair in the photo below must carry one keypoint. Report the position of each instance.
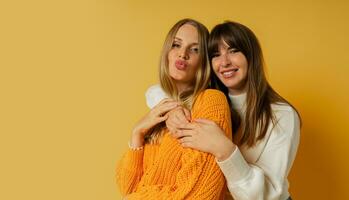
(202, 77)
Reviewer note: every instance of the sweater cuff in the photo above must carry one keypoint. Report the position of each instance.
(135, 157)
(235, 168)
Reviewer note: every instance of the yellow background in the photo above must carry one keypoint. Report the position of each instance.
(73, 76)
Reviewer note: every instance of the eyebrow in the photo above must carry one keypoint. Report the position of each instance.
(177, 38)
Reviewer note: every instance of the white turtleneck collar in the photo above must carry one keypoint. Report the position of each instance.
(239, 102)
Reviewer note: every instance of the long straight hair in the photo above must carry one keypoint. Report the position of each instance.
(260, 94)
(202, 77)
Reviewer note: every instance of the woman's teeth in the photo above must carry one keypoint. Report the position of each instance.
(229, 73)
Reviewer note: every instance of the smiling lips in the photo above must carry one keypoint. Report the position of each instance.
(181, 64)
(229, 73)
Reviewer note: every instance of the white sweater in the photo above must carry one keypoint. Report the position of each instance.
(259, 172)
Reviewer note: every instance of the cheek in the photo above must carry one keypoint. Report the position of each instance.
(241, 59)
(171, 56)
(215, 67)
(195, 64)
(195, 60)
(245, 69)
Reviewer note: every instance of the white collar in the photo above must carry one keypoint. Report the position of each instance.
(238, 101)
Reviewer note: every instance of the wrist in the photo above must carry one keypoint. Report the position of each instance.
(137, 140)
(137, 148)
(225, 151)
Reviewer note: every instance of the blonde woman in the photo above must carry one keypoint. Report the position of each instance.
(156, 166)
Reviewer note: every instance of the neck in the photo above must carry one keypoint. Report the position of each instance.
(181, 87)
(238, 102)
(237, 91)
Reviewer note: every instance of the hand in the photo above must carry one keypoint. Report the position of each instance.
(155, 116)
(205, 135)
(176, 118)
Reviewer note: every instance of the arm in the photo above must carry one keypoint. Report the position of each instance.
(176, 117)
(129, 171)
(199, 176)
(130, 168)
(266, 178)
(205, 135)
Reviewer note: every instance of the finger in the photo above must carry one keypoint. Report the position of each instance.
(176, 117)
(165, 100)
(182, 134)
(177, 134)
(161, 110)
(185, 140)
(175, 124)
(172, 131)
(188, 126)
(204, 121)
(162, 118)
(187, 114)
(169, 103)
(181, 118)
(168, 122)
(170, 127)
(188, 145)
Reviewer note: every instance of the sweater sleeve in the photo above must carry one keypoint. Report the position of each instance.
(154, 95)
(129, 171)
(199, 176)
(267, 177)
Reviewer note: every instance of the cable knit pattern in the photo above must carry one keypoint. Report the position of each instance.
(169, 171)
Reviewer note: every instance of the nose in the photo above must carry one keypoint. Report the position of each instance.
(183, 54)
(225, 61)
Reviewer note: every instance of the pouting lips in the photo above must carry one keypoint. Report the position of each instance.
(180, 65)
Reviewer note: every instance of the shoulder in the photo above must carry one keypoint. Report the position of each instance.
(211, 94)
(213, 105)
(210, 97)
(154, 95)
(154, 89)
(287, 118)
(284, 110)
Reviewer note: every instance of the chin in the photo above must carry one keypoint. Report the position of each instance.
(231, 85)
(177, 78)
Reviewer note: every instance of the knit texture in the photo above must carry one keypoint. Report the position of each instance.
(169, 171)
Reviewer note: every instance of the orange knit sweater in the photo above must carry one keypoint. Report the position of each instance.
(169, 171)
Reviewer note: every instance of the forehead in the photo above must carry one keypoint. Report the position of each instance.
(223, 45)
(188, 34)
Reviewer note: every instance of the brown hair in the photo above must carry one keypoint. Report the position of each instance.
(260, 95)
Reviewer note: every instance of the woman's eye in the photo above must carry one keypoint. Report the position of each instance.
(175, 45)
(233, 50)
(195, 50)
(215, 55)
